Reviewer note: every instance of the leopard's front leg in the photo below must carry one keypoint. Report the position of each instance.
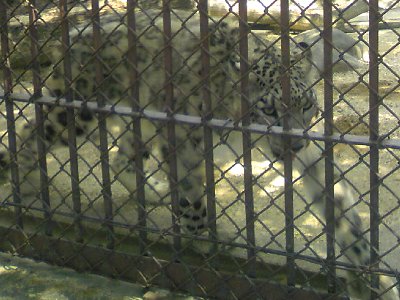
(188, 156)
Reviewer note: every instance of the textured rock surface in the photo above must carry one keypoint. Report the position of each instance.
(22, 278)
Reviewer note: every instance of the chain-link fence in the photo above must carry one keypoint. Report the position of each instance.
(232, 149)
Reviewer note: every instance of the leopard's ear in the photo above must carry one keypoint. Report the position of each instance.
(303, 45)
(235, 61)
(300, 51)
(227, 35)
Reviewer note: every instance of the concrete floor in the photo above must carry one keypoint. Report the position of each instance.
(22, 278)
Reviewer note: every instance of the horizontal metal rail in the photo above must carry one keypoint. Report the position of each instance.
(227, 125)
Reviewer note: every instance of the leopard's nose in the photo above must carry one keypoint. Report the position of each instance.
(297, 147)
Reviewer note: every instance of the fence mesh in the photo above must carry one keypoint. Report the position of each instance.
(229, 149)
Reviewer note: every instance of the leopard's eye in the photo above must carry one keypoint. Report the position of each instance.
(308, 106)
(268, 111)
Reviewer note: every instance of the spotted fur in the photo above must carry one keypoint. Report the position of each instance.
(265, 100)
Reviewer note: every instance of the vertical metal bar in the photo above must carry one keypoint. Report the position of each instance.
(33, 34)
(207, 115)
(39, 116)
(73, 156)
(101, 102)
(374, 102)
(170, 105)
(329, 156)
(329, 165)
(247, 145)
(285, 79)
(12, 141)
(137, 131)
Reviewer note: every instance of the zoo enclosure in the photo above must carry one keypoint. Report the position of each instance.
(126, 251)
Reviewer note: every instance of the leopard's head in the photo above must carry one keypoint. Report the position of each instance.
(267, 97)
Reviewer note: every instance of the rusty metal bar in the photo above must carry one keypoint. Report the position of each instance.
(137, 129)
(39, 116)
(102, 121)
(244, 30)
(8, 87)
(170, 106)
(287, 161)
(207, 115)
(72, 148)
(33, 34)
(328, 151)
(374, 102)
